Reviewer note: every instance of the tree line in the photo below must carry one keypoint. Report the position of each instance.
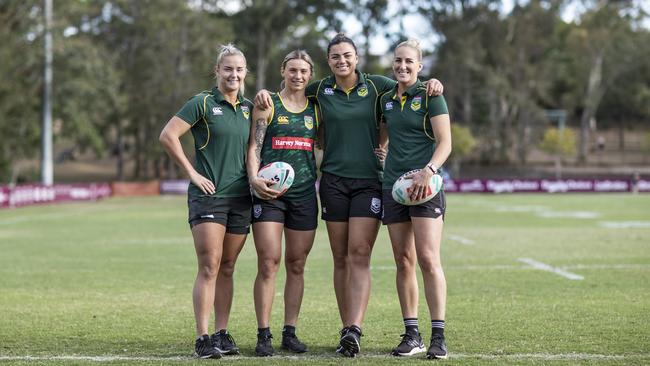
(123, 67)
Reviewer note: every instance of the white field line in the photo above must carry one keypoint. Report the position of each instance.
(624, 224)
(526, 267)
(549, 268)
(513, 356)
(461, 239)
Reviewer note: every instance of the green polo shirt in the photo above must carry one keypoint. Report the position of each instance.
(350, 120)
(409, 129)
(220, 132)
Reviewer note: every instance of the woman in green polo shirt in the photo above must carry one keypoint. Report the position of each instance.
(218, 196)
(419, 132)
(350, 190)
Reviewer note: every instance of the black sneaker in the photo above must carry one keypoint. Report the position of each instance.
(264, 347)
(291, 343)
(203, 348)
(410, 345)
(350, 342)
(339, 348)
(222, 340)
(438, 348)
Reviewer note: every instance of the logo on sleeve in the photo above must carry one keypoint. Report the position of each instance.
(216, 111)
(363, 90)
(309, 122)
(389, 106)
(328, 91)
(416, 103)
(245, 111)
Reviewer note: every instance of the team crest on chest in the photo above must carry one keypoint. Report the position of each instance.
(283, 120)
(216, 111)
(363, 90)
(309, 122)
(416, 104)
(245, 111)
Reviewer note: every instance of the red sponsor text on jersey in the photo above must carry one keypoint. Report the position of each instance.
(292, 143)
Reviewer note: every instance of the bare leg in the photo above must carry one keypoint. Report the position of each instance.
(208, 243)
(362, 233)
(298, 245)
(268, 243)
(402, 240)
(233, 244)
(428, 236)
(338, 236)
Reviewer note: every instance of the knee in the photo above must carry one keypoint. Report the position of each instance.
(360, 255)
(295, 267)
(430, 266)
(340, 261)
(227, 268)
(405, 262)
(208, 270)
(268, 267)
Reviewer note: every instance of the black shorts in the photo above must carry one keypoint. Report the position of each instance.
(294, 213)
(233, 212)
(396, 212)
(342, 198)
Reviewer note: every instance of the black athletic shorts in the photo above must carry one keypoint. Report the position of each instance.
(396, 212)
(233, 212)
(294, 213)
(342, 198)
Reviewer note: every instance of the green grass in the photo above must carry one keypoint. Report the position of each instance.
(114, 278)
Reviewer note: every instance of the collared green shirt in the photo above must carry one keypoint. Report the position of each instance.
(350, 121)
(220, 132)
(411, 139)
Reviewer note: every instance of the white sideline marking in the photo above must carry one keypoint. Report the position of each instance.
(624, 224)
(461, 239)
(568, 214)
(549, 268)
(479, 267)
(487, 356)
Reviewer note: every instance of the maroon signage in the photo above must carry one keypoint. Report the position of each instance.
(30, 194)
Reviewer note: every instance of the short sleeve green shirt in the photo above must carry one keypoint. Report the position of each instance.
(350, 121)
(411, 139)
(220, 132)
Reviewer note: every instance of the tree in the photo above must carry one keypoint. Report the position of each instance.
(560, 144)
(462, 145)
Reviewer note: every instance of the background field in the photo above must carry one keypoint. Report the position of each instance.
(114, 279)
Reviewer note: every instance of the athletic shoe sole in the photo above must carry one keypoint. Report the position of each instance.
(350, 344)
(217, 356)
(437, 357)
(414, 351)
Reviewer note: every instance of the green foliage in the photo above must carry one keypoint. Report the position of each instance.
(559, 142)
(462, 141)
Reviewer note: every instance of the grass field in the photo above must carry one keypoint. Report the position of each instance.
(110, 282)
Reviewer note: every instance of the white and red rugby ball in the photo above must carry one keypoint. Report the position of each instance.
(404, 182)
(280, 172)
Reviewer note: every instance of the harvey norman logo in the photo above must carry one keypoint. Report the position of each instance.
(292, 143)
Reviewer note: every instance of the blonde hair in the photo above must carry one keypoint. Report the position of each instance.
(225, 51)
(414, 44)
(297, 55)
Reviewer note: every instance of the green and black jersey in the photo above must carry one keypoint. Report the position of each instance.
(411, 140)
(350, 121)
(220, 132)
(290, 137)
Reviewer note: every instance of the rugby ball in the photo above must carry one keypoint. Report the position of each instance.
(280, 172)
(404, 182)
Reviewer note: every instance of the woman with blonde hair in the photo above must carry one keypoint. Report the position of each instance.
(218, 195)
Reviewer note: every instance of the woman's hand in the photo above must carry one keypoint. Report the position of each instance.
(420, 186)
(381, 153)
(261, 186)
(434, 87)
(204, 184)
(263, 99)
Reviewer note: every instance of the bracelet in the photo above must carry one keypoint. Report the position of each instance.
(433, 168)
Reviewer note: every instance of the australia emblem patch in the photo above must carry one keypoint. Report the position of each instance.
(416, 104)
(309, 122)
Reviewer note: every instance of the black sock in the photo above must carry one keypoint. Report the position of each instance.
(289, 330)
(438, 327)
(411, 326)
(263, 331)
